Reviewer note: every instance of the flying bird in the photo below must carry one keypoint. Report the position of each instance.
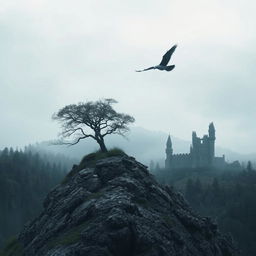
(163, 65)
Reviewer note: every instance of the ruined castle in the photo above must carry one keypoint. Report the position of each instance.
(202, 153)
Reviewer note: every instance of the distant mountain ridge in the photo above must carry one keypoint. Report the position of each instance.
(146, 145)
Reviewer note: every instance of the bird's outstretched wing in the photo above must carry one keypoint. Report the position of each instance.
(145, 69)
(166, 58)
(170, 68)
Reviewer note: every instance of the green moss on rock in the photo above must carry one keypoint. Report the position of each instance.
(13, 248)
(167, 219)
(95, 195)
(72, 236)
(91, 159)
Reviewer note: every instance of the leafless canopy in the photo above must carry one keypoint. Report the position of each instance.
(91, 120)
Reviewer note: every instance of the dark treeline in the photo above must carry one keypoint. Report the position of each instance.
(227, 196)
(25, 178)
(49, 156)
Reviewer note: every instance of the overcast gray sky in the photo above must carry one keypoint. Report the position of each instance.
(60, 52)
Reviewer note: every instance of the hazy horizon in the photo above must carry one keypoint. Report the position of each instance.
(55, 53)
(143, 144)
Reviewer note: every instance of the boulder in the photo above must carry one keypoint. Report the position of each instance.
(117, 208)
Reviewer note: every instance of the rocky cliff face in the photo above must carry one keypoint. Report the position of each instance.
(116, 208)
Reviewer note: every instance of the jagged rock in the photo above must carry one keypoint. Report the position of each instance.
(116, 208)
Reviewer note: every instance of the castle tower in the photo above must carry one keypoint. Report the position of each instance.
(169, 153)
(195, 149)
(212, 138)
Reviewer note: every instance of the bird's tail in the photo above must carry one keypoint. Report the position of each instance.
(170, 68)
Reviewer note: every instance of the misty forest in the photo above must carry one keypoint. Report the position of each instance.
(100, 152)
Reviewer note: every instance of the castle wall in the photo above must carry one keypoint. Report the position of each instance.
(181, 161)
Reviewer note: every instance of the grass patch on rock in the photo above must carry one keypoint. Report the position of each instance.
(72, 236)
(91, 159)
(141, 202)
(13, 248)
(95, 195)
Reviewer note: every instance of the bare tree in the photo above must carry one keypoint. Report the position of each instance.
(91, 120)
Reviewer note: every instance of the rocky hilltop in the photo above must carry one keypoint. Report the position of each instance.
(114, 207)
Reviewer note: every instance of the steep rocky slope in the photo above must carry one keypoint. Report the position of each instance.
(114, 207)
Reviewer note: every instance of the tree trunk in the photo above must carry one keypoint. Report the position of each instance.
(100, 141)
(103, 147)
